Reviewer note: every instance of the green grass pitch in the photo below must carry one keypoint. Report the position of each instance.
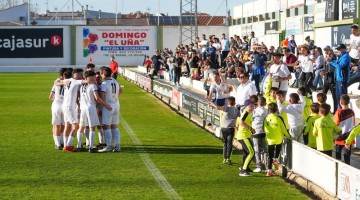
(188, 157)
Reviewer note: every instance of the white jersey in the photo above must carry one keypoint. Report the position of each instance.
(71, 89)
(90, 97)
(111, 89)
(58, 91)
(83, 100)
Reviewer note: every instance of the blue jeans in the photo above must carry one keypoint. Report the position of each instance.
(171, 73)
(354, 77)
(318, 79)
(341, 88)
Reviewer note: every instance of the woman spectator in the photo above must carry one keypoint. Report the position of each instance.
(318, 67)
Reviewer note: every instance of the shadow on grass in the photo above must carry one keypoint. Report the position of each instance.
(173, 149)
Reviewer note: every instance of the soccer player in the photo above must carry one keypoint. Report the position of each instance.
(71, 86)
(57, 96)
(324, 129)
(110, 91)
(91, 97)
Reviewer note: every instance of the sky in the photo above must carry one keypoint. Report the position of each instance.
(170, 7)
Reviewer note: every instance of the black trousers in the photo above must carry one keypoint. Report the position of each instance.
(331, 87)
(257, 79)
(274, 152)
(177, 74)
(306, 81)
(228, 136)
(340, 149)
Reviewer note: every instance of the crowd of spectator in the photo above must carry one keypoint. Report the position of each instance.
(249, 82)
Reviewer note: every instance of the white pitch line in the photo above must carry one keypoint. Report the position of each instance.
(164, 184)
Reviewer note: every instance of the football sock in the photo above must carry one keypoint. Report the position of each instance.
(91, 139)
(112, 138)
(58, 141)
(101, 136)
(70, 141)
(66, 138)
(107, 134)
(117, 136)
(79, 136)
(62, 138)
(87, 136)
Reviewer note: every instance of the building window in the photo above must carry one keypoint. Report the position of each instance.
(310, 9)
(261, 17)
(300, 10)
(268, 16)
(292, 12)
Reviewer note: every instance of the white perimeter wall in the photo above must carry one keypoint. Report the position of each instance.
(171, 34)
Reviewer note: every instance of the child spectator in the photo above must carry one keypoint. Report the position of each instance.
(307, 109)
(345, 119)
(321, 98)
(284, 116)
(231, 113)
(275, 130)
(260, 145)
(243, 135)
(295, 118)
(324, 129)
(310, 125)
(270, 92)
(355, 131)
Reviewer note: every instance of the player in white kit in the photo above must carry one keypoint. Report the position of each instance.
(57, 117)
(70, 110)
(91, 97)
(110, 91)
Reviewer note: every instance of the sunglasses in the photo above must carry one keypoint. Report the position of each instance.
(241, 77)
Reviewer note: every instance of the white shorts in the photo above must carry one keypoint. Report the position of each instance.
(71, 114)
(111, 117)
(92, 116)
(57, 115)
(83, 118)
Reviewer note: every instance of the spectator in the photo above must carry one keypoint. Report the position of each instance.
(194, 60)
(228, 126)
(318, 67)
(245, 90)
(225, 46)
(245, 44)
(147, 63)
(329, 77)
(253, 41)
(211, 50)
(305, 62)
(290, 60)
(342, 71)
(260, 145)
(179, 61)
(204, 44)
(309, 123)
(309, 42)
(354, 44)
(324, 129)
(344, 118)
(275, 131)
(219, 89)
(170, 61)
(285, 43)
(292, 44)
(156, 60)
(280, 73)
(259, 67)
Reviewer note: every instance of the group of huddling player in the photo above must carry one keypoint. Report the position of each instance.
(260, 118)
(82, 102)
